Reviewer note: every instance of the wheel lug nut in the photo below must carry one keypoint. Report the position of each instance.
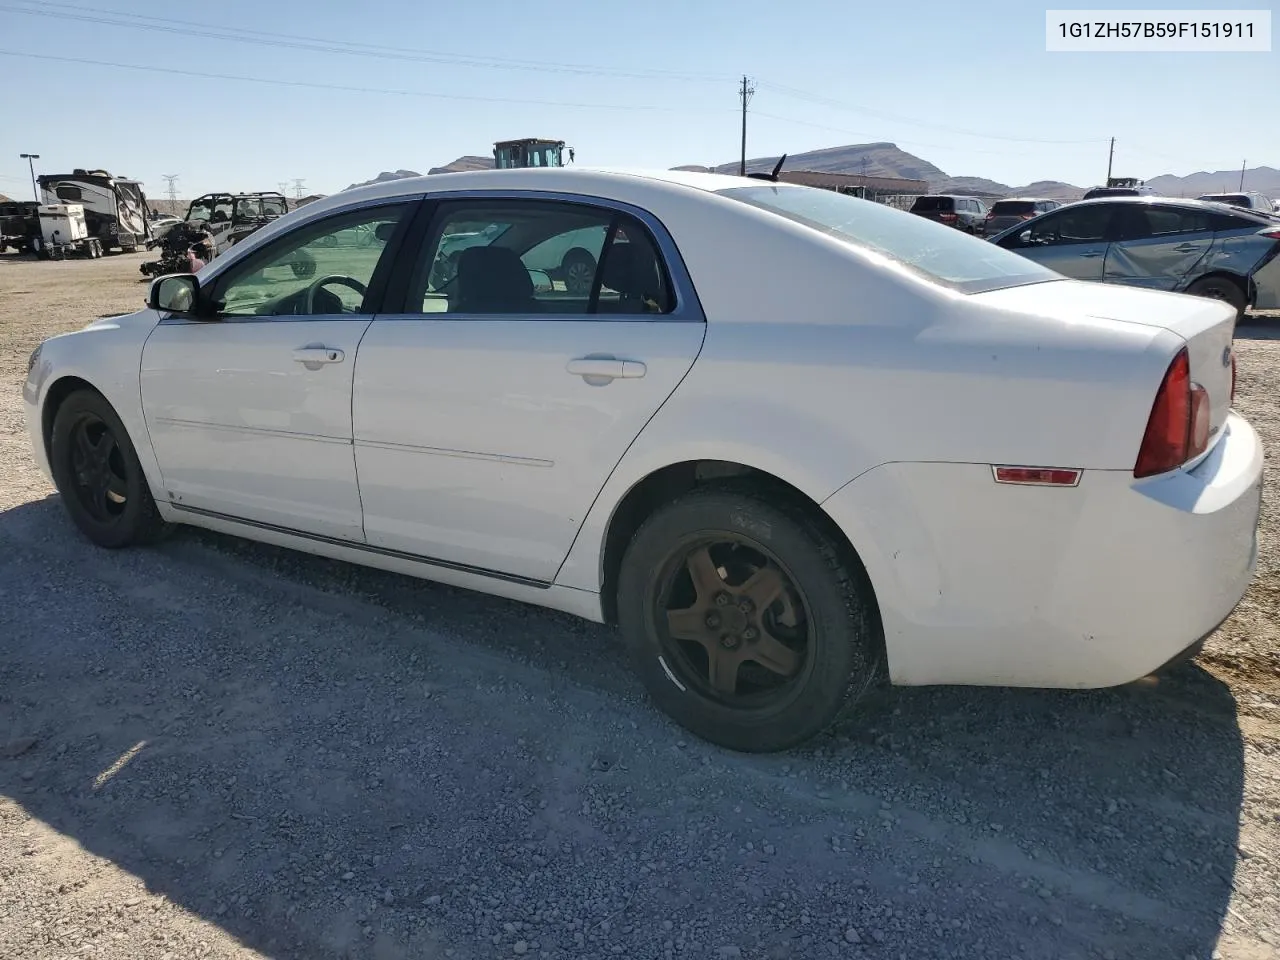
(750, 633)
(713, 620)
(729, 641)
(745, 605)
(723, 599)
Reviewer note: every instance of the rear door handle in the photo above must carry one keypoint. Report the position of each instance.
(316, 354)
(1090, 254)
(1187, 247)
(606, 368)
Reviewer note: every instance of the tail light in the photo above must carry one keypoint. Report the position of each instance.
(1028, 216)
(946, 217)
(1272, 234)
(1178, 428)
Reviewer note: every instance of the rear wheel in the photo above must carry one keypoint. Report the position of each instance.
(1221, 288)
(747, 625)
(97, 472)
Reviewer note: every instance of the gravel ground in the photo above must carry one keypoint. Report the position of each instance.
(217, 749)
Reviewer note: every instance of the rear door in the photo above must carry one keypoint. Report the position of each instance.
(490, 410)
(1072, 241)
(1159, 247)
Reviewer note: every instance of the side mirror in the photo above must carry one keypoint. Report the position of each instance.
(175, 293)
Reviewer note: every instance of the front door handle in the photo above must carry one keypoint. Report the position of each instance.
(605, 368)
(1187, 247)
(316, 354)
(1090, 254)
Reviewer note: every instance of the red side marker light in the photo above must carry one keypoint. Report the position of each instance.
(1037, 476)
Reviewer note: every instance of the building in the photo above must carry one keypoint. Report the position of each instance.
(873, 188)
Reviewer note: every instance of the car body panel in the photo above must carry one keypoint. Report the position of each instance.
(474, 442)
(971, 596)
(881, 396)
(243, 429)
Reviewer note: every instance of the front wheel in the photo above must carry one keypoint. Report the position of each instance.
(97, 472)
(748, 625)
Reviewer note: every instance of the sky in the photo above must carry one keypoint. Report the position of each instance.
(358, 88)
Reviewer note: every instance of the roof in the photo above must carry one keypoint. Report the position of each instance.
(584, 180)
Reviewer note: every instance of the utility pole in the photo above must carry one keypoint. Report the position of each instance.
(297, 188)
(745, 93)
(31, 158)
(1110, 155)
(284, 186)
(1242, 164)
(171, 181)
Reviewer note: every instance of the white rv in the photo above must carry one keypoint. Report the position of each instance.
(115, 208)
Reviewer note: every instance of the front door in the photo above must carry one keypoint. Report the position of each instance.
(250, 414)
(1072, 241)
(490, 412)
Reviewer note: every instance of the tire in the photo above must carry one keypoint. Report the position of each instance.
(825, 672)
(1221, 288)
(119, 511)
(579, 271)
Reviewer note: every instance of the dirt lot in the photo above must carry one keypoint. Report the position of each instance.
(243, 752)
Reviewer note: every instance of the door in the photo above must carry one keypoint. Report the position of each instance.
(489, 413)
(250, 414)
(1072, 241)
(1158, 247)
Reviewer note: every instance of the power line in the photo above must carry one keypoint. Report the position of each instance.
(899, 118)
(120, 18)
(353, 89)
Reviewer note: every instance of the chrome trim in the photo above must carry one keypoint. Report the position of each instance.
(449, 452)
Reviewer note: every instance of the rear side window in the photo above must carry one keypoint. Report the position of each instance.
(932, 250)
(71, 194)
(1169, 221)
(526, 258)
(933, 205)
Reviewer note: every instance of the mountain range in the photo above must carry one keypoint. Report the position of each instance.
(888, 160)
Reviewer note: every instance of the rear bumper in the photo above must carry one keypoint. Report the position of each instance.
(1093, 586)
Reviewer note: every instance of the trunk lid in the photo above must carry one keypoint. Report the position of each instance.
(1207, 326)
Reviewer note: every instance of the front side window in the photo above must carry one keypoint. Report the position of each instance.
(932, 250)
(305, 273)
(70, 194)
(538, 257)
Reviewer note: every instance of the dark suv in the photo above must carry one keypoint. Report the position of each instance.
(963, 213)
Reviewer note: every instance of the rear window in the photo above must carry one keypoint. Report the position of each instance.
(1012, 208)
(933, 204)
(1239, 199)
(929, 249)
(1111, 192)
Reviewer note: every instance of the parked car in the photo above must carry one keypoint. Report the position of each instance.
(1248, 201)
(1187, 246)
(963, 213)
(851, 438)
(1005, 213)
(1121, 187)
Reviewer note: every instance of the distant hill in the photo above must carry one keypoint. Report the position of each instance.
(886, 159)
(386, 176)
(465, 163)
(1265, 180)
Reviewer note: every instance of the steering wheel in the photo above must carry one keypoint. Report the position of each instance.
(338, 278)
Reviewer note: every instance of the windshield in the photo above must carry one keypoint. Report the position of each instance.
(1013, 208)
(932, 204)
(932, 250)
(210, 208)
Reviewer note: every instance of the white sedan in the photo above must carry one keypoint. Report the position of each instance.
(785, 439)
